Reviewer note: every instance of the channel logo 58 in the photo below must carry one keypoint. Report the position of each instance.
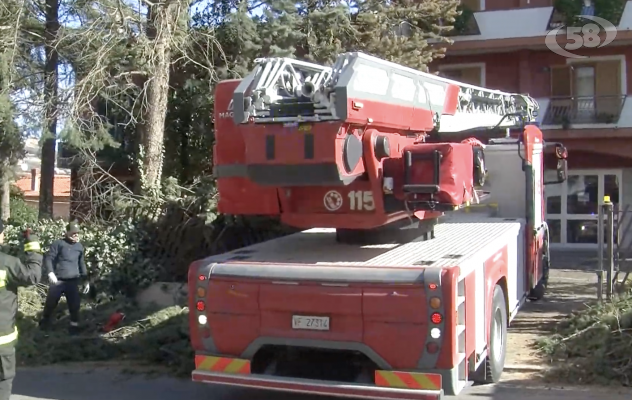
(586, 36)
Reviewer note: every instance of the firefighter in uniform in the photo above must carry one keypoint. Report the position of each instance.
(14, 274)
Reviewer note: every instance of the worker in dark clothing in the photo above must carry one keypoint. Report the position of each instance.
(14, 274)
(66, 268)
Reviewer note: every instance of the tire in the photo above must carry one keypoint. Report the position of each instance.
(491, 369)
(538, 292)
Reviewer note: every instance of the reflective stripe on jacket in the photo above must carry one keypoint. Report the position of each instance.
(13, 336)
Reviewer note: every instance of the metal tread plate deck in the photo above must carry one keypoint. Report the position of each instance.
(287, 257)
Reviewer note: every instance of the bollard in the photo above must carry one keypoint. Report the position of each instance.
(600, 253)
(609, 213)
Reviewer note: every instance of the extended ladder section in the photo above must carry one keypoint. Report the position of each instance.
(281, 90)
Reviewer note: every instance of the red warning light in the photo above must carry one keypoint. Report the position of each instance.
(201, 277)
(200, 306)
(436, 318)
(432, 286)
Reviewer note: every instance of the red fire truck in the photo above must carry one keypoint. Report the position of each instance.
(422, 204)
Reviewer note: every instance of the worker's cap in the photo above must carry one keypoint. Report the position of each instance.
(72, 228)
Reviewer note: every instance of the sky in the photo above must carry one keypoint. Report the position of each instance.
(67, 75)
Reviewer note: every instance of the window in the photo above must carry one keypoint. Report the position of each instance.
(474, 5)
(454, 74)
(585, 93)
(588, 8)
(584, 77)
(472, 75)
(585, 80)
(572, 207)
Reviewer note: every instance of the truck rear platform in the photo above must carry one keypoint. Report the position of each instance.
(306, 314)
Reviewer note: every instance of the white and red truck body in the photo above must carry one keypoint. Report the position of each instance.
(380, 301)
(390, 319)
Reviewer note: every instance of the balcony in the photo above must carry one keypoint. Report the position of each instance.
(568, 111)
(465, 24)
(585, 112)
(565, 13)
(499, 25)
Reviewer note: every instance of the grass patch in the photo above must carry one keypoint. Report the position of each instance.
(155, 337)
(592, 346)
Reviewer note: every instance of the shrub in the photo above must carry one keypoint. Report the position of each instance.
(21, 212)
(112, 252)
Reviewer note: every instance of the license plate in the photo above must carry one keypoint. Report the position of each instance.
(310, 323)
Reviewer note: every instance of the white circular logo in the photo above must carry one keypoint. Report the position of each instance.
(584, 36)
(332, 200)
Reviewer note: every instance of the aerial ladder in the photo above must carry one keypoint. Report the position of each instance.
(279, 87)
(358, 145)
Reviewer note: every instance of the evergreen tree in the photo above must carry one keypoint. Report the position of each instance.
(400, 30)
(11, 141)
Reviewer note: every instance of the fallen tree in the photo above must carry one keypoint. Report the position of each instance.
(124, 255)
(153, 337)
(593, 345)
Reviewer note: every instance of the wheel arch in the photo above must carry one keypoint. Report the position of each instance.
(502, 282)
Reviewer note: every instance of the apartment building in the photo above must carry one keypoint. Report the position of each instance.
(584, 102)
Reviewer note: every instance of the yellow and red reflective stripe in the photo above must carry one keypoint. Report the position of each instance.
(408, 380)
(222, 364)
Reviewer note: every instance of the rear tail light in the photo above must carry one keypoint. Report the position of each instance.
(201, 278)
(435, 302)
(432, 286)
(432, 347)
(200, 306)
(436, 318)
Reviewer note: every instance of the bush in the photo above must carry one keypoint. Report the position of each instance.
(21, 212)
(113, 254)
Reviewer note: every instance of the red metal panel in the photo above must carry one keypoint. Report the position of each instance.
(495, 269)
(385, 115)
(401, 345)
(343, 305)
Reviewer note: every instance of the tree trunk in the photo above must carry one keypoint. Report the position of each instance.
(5, 195)
(163, 21)
(185, 164)
(50, 114)
(5, 190)
(11, 144)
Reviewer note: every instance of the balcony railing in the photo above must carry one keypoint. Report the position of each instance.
(567, 111)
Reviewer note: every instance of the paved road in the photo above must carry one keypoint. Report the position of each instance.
(71, 384)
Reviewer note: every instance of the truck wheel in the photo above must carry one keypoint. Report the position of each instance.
(492, 368)
(538, 292)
